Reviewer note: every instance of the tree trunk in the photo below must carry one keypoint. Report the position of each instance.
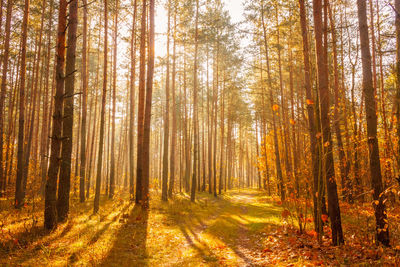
(112, 167)
(164, 194)
(397, 100)
(68, 121)
(382, 226)
(141, 105)
(82, 169)
(50, 210)
(337, 115)
(147, 116)
(195, 119)
(7, 31)
(173, 133)
(96, 203)
(19, 190)
(132, 103)
(310, 112)
(333, 202)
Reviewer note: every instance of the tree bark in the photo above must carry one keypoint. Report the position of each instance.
(19, 190)
(323, 87)
(164, 190)
(195, 119)
(96, 202)
(68, 121)
(112, 167)
(147, 118)
(382, 227)
(82, 169)
(50, 209)
(141, 105)
(3, 89)
(132, 103)
(173, 130)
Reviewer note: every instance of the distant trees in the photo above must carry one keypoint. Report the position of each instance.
(208, 114)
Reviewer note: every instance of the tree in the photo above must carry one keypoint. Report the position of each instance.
(102, 113)
(333, 202)
(114, 89)
(164, 194)
(7, 30)
(141, 106)
(311, 118)
(50, 209)
(397, 24)
(19, 185)
(82, 169)
(382, 227)
(195, 114)
(68, 120)
(147, 117)
(174, 128)
(132, 103)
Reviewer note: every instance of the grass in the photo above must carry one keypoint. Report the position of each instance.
(238, 228)
(210, 232)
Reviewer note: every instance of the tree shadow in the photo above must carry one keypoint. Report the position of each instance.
(129, 248)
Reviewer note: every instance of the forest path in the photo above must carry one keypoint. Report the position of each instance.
(222, 231)
(215, 231)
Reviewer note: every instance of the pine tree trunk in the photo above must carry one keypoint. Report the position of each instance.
(333, 202)
(19, 191)
(50, 209)
(195, 119)
(82, 169)
(276, 145)
(64, 186)
(310, 111)
(147, 115)
(164, 194)
(371, 114)
(397, 100)
(173, 130)
(141, 105)
(112, 167)
(3, 89)
(132, 103)
(337, 115)
(96, 203)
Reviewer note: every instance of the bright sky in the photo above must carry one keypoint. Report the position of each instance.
(235, 8)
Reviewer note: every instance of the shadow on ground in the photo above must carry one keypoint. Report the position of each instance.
(129, 247)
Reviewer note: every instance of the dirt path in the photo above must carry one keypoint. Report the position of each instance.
(229, 236)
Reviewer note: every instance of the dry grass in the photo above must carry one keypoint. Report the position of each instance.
(237, 229)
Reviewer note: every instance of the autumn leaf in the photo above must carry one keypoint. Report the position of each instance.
(312, 233)
(266, 250)
(310, 102)
(324, 218)
(275, 107)
(285, 213)
(292, 122)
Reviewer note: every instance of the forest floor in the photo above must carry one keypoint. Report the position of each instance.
(240, 228)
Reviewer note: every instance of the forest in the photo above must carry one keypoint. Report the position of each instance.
(199, 132)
